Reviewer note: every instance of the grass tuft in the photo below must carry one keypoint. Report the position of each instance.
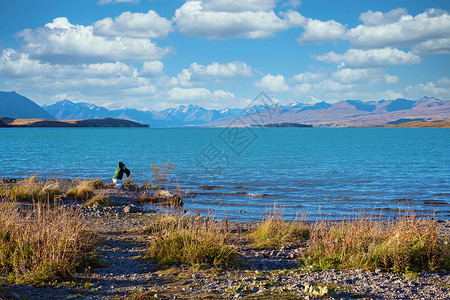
(100, 200)
(85, 190)
(275, 232)
(31, 189)
(406, 244)
(42, 244)
(178, 240)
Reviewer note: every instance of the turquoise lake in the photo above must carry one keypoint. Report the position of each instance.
(241, 172)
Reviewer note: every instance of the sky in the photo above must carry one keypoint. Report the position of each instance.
(156, 54)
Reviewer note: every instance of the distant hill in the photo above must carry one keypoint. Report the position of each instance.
(173, 117)
(351, 113)
(13, 105)
(345, 113)
(106, 122)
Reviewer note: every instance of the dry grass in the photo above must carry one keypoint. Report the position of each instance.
(192, 241)
(85, 190)
(275, 232)
(31, 189)
(401, 245)
(42, 244)
(100, 200)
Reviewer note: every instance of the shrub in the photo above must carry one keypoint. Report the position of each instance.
(191, 241)
(405, 244)
(276, 232)
(162, 171)
(43, 244)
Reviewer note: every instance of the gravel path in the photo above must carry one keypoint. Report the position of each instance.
(269, 273)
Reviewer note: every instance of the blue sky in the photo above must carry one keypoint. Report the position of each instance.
(155, 54)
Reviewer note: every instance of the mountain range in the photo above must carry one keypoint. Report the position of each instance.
(342, 113)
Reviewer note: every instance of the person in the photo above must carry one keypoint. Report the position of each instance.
(118, 175)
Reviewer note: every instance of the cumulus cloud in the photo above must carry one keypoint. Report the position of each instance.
(228, 70)
(396, 29)
(358, 58)
(178, 93)
(245, 20)
(152, 69)
(439, 89)
(275, 84)
(317, 32)
(136, 25)
(199, 74)
(310, 77)
(238, 5)
(376, 18)
(432, 47)
(63, 42)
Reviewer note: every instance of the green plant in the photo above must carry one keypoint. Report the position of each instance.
(276, 232)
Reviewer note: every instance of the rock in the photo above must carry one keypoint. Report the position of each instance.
(131, 209)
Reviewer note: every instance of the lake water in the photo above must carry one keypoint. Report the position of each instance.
(241, 172)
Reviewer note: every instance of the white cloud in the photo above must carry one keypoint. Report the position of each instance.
(310, 77)
(190, 94)
(439, 89)
(152, 69)
(357, 58)
(194, 20)
(275, 84)
(238, 5)
(432, 47)
(135, 25)
(229, 70)
(62, 42)
(371, 18)
(15, 64)
(407, 31)
(317, 31)
(390, 79)
(292, 3)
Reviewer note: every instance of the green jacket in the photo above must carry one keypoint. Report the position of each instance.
(118, 174)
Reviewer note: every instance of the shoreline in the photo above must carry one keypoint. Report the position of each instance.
(271, 271)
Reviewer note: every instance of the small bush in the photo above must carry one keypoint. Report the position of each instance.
(406, 244)
(100, 200)
(191, 241)
(276, 232)
(43, 244)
